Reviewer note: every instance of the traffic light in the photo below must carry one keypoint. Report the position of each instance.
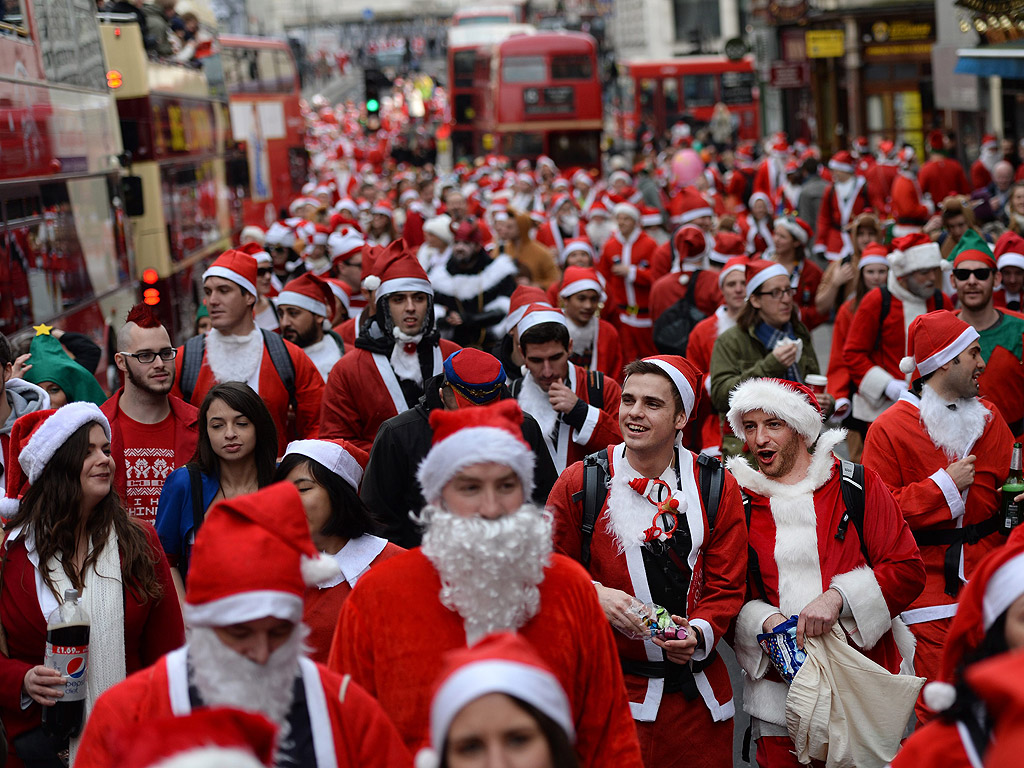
(371, 89)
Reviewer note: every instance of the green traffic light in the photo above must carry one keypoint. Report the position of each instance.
(372, 105)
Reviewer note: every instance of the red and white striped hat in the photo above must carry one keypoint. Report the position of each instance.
(310, 293)
(237, 266)
(579, 279)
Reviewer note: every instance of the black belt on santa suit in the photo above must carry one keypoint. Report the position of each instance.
(954, 539)
(678, 677)
(1018, 426)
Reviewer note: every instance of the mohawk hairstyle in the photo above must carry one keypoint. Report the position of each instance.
(143, 316)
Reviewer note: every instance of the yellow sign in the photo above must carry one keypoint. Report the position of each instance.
(825, 43)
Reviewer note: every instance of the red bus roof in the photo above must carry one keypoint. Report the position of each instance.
(548, 42)
(688, 65)
(250, 41)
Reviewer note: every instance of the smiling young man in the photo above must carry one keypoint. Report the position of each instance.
(799, 564)
(944, 453)
(657, 537)
(152, 432)
(595, 341)
(485, 565)
(244, 648)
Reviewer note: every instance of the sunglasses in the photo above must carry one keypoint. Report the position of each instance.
(982, 273)
(264, 271)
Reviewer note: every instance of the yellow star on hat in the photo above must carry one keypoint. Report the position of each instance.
(42, 329)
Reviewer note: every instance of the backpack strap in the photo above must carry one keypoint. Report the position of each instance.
(337, 340)
(711, 475)
(753, 563)
(595, 490)
(282, 364)
(515, 386)
(595, 392)
(852, 486)
(883, 313)
(939, 299)
(691, 288)
(192, 361)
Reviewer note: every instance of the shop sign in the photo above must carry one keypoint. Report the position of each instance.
(790, 74)
(825, 43)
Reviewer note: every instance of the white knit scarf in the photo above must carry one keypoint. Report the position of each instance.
(102, 597)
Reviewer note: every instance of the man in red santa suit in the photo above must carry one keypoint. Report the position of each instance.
(576, 408)
(756, 224)
(881, 176)
(245, 647)
(595, 342)
(877, 339)
(305, 307)
(688, 207)
(908, 205)
(394, 354)
(346, 250)
(942, 176)
(690, 261)
(485, 565)
(689, 560)
(1009, 253)
(797, 564)
(563, 224)
(236, 350)
(944, 453)
(981, 169)
(845, 199)
(770, 173)
(626, 265)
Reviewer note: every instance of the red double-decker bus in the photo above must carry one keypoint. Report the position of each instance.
(659, 94)
(544, 98)
(263, 92)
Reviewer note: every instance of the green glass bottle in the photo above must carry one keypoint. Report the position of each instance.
(1013, 487)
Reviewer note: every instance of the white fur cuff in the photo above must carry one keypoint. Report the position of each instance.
(750, 624)
(872, 386)
(863, 597)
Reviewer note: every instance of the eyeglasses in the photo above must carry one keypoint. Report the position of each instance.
(353, 263)
(275, 248)
(778, 293)
(264, 271)
(982, 273)
(148, 357)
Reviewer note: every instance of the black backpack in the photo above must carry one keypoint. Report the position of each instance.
(673, 326)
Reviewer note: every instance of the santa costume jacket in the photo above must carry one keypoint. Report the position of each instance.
(672, 287)
(604, 353)
(758, 234)
(628, 304)
(717, 562)
(835, 215)
(840, 384)
(349, 729)
(698, 351)
(1002, 381)
(793, 531)
(907, 204)
(399, 666)
(479, 290)
(550, 235)
(941, 177)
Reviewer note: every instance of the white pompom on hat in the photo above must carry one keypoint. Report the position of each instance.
(790, 401)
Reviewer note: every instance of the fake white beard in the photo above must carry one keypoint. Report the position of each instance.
(952, 431)
(226, 678)
(844, 188)
(582, 335)
(490, 569)
(535, 402)
(234, 358)
(629, 514)
(599, 231)
(406, 366)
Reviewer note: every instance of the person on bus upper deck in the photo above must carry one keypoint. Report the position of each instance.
(236, 350)
(158, 23)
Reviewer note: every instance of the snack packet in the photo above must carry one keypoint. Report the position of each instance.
(780, 645)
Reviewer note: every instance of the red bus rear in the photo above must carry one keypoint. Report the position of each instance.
(263, 91)
(659, 94)
(545, 98)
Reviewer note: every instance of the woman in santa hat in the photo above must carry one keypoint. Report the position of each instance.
(839, 281)
(327, 474)
(756, 225)
(792, 237)
(70, 532)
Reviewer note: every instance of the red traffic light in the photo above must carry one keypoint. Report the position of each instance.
(151, 296)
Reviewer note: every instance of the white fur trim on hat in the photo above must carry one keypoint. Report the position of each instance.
(835, 165)
(440, 227)
(924, 256)
(210, 757)
(868, 260)
(1011, 260)
(526, 682)
(578, 286)
(793, 228)
(230, 274)
(539, 317)
(728, 270)
(694, 213)
(474, 445)
(302, 301)
(766, 274)
(399, 284)
(679, 381)
(582, 247)
(1005, 586)
(776, 400)
(56, 430)
(944, 355)
(627, 208)
(331, 455)
(245, 606)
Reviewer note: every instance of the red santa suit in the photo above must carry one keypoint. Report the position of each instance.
(415, 217)
(757, 233)
(629, 295)
(1002, 381)
(880, 178)
(672, 287)
(907, 204)
(840, 205)
(670, 727)
(569, 632)
(840, 384)
(805, 279)
(769, 176)
(941, 177)
(810, 559)
(597, 347)
(550, 235)
(981, 174)
(899, 448)
(349, 729)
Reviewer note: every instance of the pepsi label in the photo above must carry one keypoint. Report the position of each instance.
(71, 661)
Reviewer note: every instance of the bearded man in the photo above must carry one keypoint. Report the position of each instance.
(245, 647)
(943, 453)
(485, 565)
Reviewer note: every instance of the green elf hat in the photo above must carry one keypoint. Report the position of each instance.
(971, 241)
(202, 312)
(50, 362)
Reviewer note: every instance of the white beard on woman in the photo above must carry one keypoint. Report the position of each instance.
(234, 358)
(954, 431)
(490, 569)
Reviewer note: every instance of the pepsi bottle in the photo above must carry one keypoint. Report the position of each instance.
(67, 651)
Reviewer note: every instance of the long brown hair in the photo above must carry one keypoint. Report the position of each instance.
(51, 508)
(239, 397)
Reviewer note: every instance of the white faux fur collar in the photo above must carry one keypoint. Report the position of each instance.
(465, 287)
(818, 473)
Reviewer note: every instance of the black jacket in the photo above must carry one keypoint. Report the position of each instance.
(389, 486)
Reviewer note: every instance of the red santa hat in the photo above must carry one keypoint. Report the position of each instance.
(539, 314)
(340, 291)
(620, 175)
(401, 271)
(689, 205)
(579, 279)
(842, 161)
(308, 292)
(650, 217)
(690, 245)
(558, 201)
(684, 375)
(347, 205)
(861, 145)
(341, 457)
(468, 232)
(237, 266)
(580, 244)
(762, 197)
(997, 581)
(523, 297)
(408, 196)
(935, 140)
(886, 147)
(988, 141)
(779, 145)
(1009, 250)
(760, 271)
(475, 377)
(383, 208)
(934, 339)
(582, 177)
(214, 737)
(319, 234)
(873, 253)
(597, 210)
(269, 529)
(279, 234)
(368, 277)
(913, 252)
(257, 252)
(790, 401)
(797, 227)
(494, 433)
(728, 245)
(345, 243)
(500, 663)
(996, 681)
(906, 156)
(735, 264)
(628, 209)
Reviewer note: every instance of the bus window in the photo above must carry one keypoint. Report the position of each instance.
(646, 96)
(12, 21)
(737, 87)
(267, 80)
(699, 91)
(670, 90)
(523, 69)
(518, 144)
(286, 71)
(463, 64)
(575, 148)
(570, 68)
